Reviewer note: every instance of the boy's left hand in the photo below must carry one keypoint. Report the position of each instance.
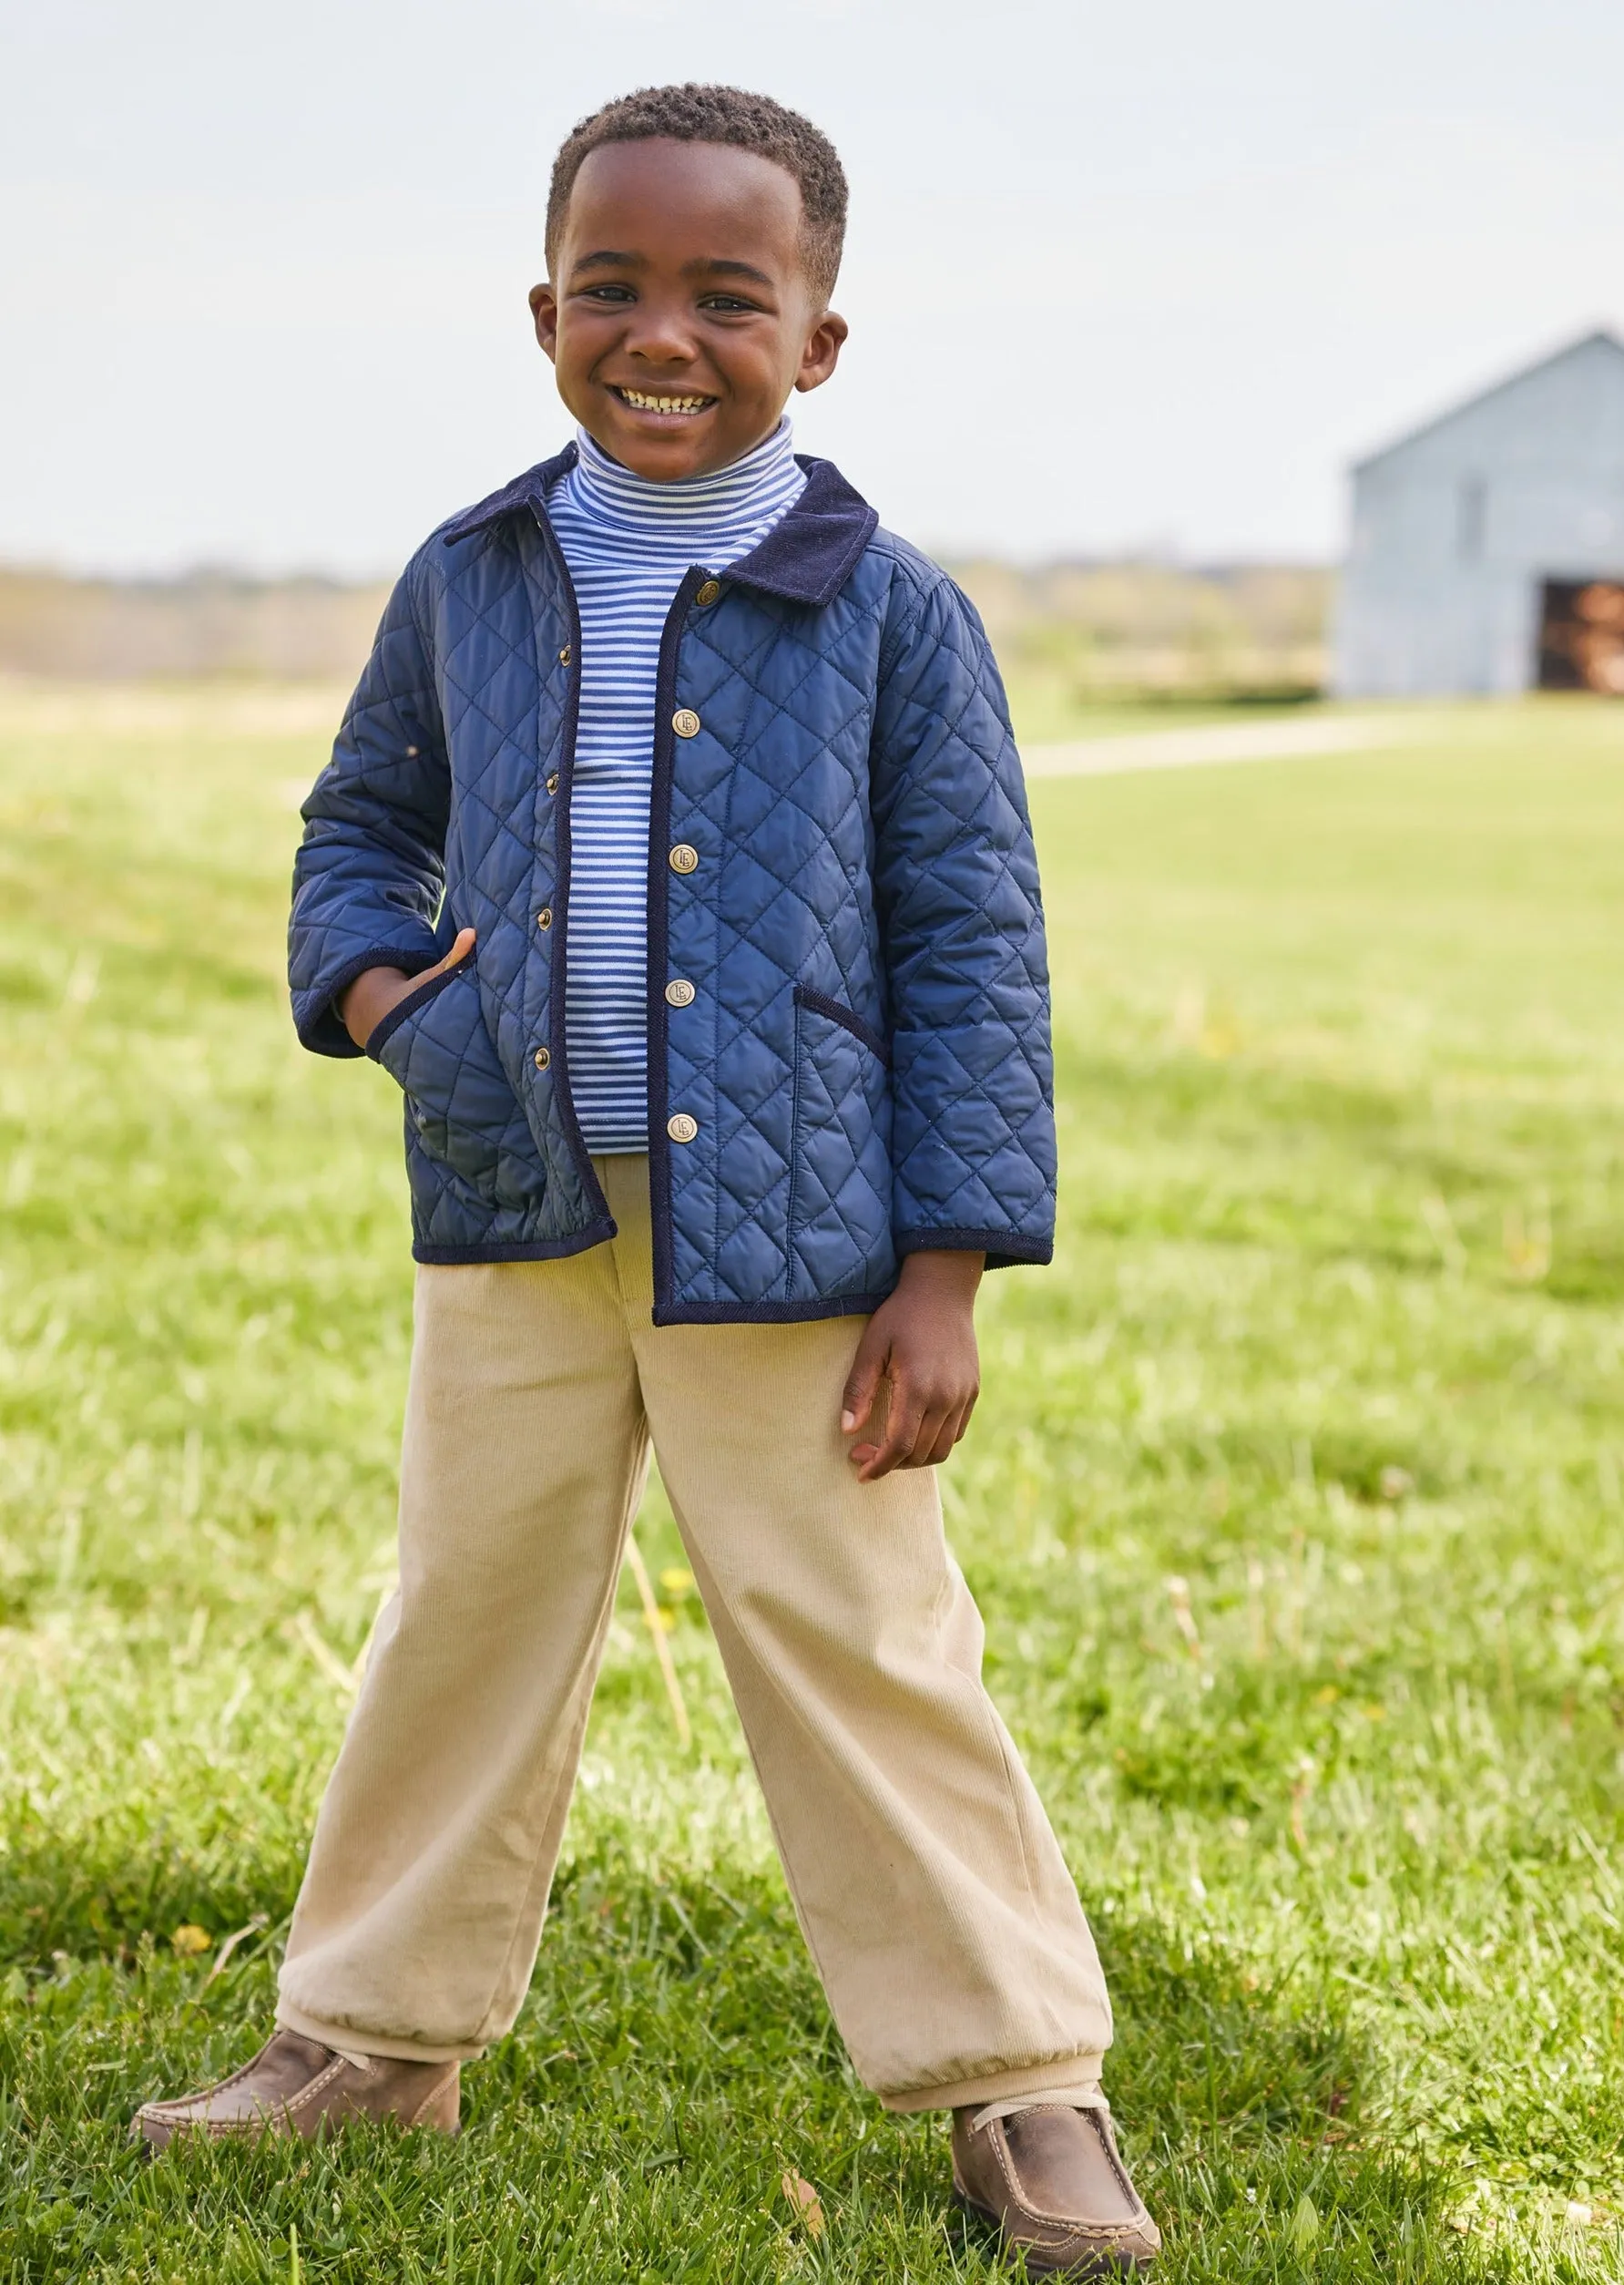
(921, 1345)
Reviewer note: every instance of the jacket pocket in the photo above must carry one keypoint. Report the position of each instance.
(407, 1006)
(466, 1134)
(836, 1012)
(839, 1166)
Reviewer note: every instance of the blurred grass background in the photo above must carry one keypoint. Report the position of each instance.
(1295, 1505)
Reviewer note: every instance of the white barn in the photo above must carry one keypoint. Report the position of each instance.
(1488, 549)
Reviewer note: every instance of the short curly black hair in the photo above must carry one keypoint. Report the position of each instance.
(698, 113)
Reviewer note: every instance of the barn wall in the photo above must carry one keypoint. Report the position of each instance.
(1455, 527)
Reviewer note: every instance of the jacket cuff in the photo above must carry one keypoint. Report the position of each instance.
(1004, 1249)
(316, 1012)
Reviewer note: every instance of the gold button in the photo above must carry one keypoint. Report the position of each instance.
(680, 992)
(684, 857)
(553, 783)
(708, 594)
(544, 919)
(542, 1059)
(410, 753)
(682, 1128)
(563, 656)
(686, 722)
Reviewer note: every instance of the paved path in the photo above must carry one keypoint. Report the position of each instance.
(1211, 743)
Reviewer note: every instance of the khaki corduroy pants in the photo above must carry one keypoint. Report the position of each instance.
(933, 1894)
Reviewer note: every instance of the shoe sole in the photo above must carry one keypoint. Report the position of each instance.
(1102, 2265)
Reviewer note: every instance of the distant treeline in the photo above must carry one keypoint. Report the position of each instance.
(1094, 631)
(1086, 632)
(207, 624)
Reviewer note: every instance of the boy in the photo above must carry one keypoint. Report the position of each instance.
(674, 858)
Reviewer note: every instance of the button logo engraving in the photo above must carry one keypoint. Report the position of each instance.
(680, 992)
(684, 857)
(682, 1128)
(708, 594)
(686, 722)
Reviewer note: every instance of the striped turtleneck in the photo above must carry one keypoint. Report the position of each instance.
(629, 545)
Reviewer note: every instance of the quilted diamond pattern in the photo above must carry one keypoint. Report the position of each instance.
(855, 802)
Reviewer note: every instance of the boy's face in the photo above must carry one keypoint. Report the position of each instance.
(680, 317)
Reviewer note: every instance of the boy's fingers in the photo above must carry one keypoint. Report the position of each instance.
(947, 1436)
(940, 1428)
(903, 1426)
(937, 1438)
(925, 1438)
(933, 1442)
(463, 944)
(863, 1382)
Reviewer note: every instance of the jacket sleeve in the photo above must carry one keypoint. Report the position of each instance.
(960, 921)
(370, 875)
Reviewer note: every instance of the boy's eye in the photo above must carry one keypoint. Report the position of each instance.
(607, 293)
(727, 303)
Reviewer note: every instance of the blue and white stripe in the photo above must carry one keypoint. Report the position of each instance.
(629, 545)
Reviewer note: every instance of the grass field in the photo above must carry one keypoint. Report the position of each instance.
(1295, 1503)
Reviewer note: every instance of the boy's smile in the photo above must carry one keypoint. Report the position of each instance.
(681, 316)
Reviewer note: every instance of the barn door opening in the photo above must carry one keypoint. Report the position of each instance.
(1581, 636)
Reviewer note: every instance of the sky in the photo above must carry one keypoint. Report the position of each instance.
(1120, 279)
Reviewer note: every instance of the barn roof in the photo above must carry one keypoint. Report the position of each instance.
(1599, 338)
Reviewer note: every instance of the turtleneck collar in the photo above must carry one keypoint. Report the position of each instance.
(808, 557)
(766, 476)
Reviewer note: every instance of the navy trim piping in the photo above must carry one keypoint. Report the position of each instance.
(535, 1250)
(1004, 1248)
(412, 963)
(658, 931)
(836, 1012)
(560, 978)
(409, 1003)
(851, 1305)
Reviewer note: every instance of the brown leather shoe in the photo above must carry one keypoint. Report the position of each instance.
(294, 2086)
(1049, 2180)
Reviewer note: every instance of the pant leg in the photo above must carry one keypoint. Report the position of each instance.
(523, 1456)
(930, 1886)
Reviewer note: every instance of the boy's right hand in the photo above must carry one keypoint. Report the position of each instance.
(364, 1004)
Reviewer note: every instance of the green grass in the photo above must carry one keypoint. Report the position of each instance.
(1295, 1503)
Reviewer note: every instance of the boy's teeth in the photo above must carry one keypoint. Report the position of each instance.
(643, 403)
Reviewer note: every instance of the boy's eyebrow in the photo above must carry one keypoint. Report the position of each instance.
(607, 253)
(703, 265)
(716, 266)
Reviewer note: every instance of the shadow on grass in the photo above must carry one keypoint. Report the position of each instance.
(675, 2059)
(1247, 2104)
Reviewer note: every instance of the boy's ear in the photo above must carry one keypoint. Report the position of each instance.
(544, 308)
(821, 354)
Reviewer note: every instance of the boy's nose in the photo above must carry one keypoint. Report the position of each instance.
(662, 336)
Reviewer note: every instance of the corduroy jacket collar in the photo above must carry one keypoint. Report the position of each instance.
(807, 557)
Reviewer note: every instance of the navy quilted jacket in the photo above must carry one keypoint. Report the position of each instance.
(840, 867)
